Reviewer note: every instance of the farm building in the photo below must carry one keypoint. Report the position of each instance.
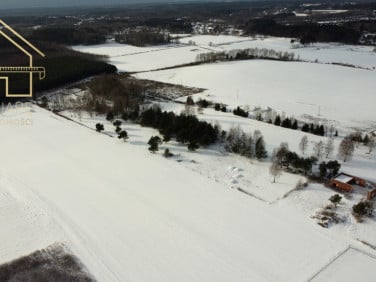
(345, 182)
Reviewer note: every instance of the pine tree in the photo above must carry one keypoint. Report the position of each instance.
(110, 116)
(295, 125)
(99, 127)
(154, 143)
(260, 151)
(123, 135)
(335, 199)
(117, 123)
(277, 120)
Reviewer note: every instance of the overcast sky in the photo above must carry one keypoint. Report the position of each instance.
(10, 4)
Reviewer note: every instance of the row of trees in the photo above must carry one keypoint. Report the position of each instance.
(247, 145)
(306, 32)
(144, 37)
(246, 54)
(285, 122)
(122, 134)
(187, 129)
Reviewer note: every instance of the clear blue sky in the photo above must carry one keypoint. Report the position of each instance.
(10, 4)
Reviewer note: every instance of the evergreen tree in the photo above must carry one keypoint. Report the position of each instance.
(123, 135)
(323, 169)
(117, 129)
(305, 128)
(99, 127)
(167, 153)
(110, 116)
(333, 167)
(335, 199)
(117, 123)
(260, 151)
(295, 125)
(277, 120)
(154, 143)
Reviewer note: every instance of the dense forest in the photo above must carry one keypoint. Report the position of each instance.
(63, 66)
(306, 32)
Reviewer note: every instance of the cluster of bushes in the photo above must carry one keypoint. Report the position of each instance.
(327, 215)
(314, 129)
(125, 94)
(361, 209)
(293, 124)
(218, 107)
(285, 158)
(245, 54)
(122, 134)
(306, 32)
(143, 38)
(329, 169)
(286, 123)
(240, 112)
(238, 142)
(187, 129)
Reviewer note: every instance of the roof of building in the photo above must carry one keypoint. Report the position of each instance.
(343, 178)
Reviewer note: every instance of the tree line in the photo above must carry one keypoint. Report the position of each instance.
(246, 54)
(306, 32)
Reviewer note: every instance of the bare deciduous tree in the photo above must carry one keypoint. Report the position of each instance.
(371, 145)
(329, 147)
(280, 153)
(275, 170)
(319, 149)
(346, 149)
(303, 144)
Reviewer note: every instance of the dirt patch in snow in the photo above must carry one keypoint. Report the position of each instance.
(55, 263)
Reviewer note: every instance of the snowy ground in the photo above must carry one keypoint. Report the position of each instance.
(337, 271)
(133, 59)
(133, 216)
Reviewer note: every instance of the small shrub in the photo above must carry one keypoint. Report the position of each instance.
(123, 135)
(335, 199)
(154, 143)
(167, 154)
(361, 209)
(99, 127)
(240, 112)
(117, 123)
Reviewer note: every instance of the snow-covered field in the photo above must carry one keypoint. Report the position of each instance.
(362, 56)
(341, 94)
(133, 216)
(133, 59)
